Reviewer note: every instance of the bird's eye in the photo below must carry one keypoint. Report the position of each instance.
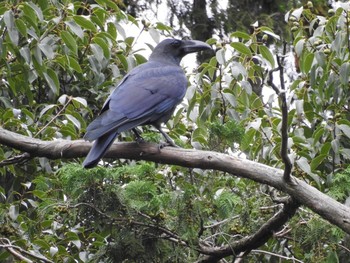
(176, 43)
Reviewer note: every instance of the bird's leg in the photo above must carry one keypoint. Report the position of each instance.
(139, 139)
(167, 138)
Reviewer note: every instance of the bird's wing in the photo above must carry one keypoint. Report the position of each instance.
(146, 92)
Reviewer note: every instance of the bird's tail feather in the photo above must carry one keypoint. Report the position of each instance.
(98, 149)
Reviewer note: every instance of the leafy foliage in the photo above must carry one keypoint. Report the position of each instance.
(57, 62)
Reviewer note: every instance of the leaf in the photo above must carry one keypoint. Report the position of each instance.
(75, 28)
(74, 120)
(345, 129)
(21, 26)
(307, 62)
(74, 64)
(237, 69)
(266, 54)
(325, 148)
(230, 98)
(13, 212)
(47, 50)
(103, 44)
(45, 109)
(335, 145)
(10, 24)
(344, 73)
(98, 52)
(268, 31)
(317, 161)
(297, 12)
(299, 46)
(220, 56)
(154, 33)
(53, 251)
(85, 23)
(304, 165)
(37, 10)
(52, 79)
(82, 101)
(239, 34)
(25, 53)
(247, 139)
(241, 48)
(70, 42)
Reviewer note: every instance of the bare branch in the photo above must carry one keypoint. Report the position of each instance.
(276, 255)
(284, 128)
(18, 252)
(331, 210)
(284, 108)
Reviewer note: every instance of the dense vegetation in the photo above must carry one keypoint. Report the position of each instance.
(58, 61)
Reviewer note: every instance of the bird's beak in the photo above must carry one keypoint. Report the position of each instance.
(190, 46)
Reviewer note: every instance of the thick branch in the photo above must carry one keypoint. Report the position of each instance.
(331, 210)
(256, 240)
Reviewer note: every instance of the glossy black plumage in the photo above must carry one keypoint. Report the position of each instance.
(147, 95)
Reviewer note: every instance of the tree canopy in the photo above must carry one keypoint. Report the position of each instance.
(262, 173)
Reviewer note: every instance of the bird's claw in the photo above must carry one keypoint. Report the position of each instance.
(140, 140)
(165, 144)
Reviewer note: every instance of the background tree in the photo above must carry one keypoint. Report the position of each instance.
(57, 63)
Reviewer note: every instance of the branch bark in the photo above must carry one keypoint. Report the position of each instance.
(331, 210)
(255, 240)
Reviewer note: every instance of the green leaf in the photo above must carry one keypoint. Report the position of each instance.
(10, 24)
(325, 148)
(13, 212)
(75, 28)
(268, 31)
(307, 62)
(344, 73)
(85, 23)
(304, 165)
(241, 48)
(42, 243)
(241, 35)
(47, 50)
(112, 30)
(21, 26)
(37, 10)
(317, 161)
(266, 54)
(248, 139)
(345, 129)
(70, 42)
(103, 44)
(230, 98)
(74, 120)
(74, 64)
(52, 79)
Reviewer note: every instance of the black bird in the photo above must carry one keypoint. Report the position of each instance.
(147, 95)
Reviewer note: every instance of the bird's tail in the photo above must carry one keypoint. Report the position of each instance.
(98, 149)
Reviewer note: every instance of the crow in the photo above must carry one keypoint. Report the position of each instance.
(147, 95)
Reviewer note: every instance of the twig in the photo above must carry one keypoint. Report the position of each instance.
(276, 255)
(58, 114)
(16, 159)
(16, 252)
(284, 108)
(221, 222)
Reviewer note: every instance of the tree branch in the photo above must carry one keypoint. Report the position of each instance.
(331, 210)
(255, 240)
(16, 252)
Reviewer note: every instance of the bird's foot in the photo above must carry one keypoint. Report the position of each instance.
(139, 139)
(165, 144)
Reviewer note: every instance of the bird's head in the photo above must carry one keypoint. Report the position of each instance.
(173, 50)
